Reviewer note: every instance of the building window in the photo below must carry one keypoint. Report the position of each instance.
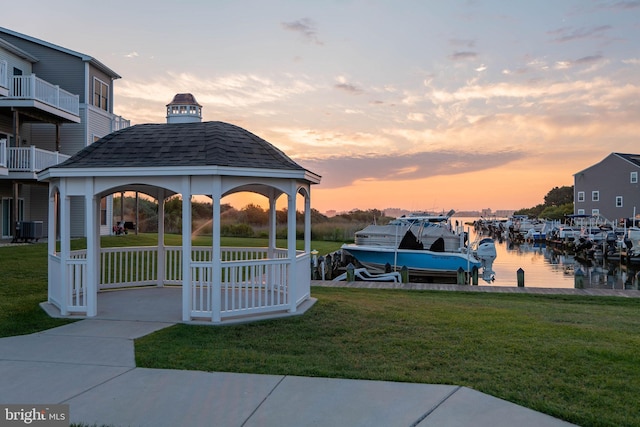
(580, 211)
(634, 177)
(618, 201)
(581, 196)
(595, 212)
(100, 94)
(595, 196)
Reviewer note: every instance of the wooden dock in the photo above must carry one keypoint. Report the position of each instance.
(625, 293)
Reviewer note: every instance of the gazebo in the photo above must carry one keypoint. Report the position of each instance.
(197, 159)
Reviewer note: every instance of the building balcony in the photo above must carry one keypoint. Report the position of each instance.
(25, 162)
(31, 93)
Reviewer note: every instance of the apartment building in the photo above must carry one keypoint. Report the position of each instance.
(53, 102)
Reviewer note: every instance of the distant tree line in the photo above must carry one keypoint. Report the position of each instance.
(557, 203)
(249, 221)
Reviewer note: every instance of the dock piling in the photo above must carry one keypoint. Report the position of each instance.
(474, 276)
(351, 273)
(578, 279)
(520, 276)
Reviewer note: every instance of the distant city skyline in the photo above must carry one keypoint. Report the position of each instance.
(422, 105)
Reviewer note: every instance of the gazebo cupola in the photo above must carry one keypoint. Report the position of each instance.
(184, 109)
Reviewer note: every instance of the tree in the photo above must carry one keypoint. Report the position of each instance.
(557, 202)
(254, 215)
(557, 212)
(559, 196)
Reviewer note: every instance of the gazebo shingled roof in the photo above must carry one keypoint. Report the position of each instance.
(182, 144)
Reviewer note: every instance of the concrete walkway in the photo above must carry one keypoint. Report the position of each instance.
(90, 365)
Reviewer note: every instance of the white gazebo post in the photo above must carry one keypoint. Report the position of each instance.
(291, 245)
(186, 249)
(93, 249)
(53, 274)
(65, 225)
(216, 252)
(161, 271)
(307, 221)
(273, 224)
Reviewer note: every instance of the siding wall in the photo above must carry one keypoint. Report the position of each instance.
(6, 126)
(6, 121)
(5, 189)
(15, 61)
(43, 135)
(38, 205)
(54, 66)
(99, 123)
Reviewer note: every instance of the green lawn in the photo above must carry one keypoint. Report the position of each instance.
(23, 286)
(576, 358)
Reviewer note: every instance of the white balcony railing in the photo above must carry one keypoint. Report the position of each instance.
(118, 122)
(32, 87)
(4, 79)
(30, 159)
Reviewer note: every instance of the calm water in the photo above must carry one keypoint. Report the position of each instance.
(545, 268)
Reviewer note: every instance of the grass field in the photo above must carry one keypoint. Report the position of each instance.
(575, 358)
(572, 357)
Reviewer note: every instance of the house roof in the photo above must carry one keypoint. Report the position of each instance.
(17, 51)
(184, 145)
(633, 158)
(82, 56)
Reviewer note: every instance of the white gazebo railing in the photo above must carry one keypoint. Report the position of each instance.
(71, 298)
(121, 267)
(253, 280)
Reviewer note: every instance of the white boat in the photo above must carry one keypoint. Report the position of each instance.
(427, 245)
(433, 231)
(632, 244)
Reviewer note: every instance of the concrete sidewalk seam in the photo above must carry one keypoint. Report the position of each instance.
(430, 411)
(263, 400)
(98, 384)
(55, 362)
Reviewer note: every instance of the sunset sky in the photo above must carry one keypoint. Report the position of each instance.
(414, 104)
